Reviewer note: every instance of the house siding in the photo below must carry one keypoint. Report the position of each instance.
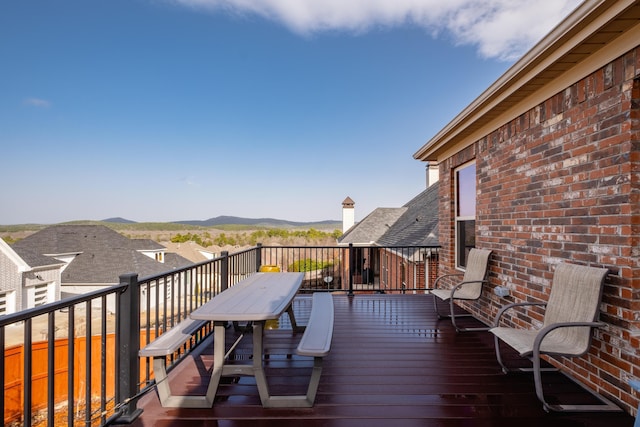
(10, 279)
(561, 182)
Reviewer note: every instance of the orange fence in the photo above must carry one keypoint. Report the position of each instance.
(14, 375)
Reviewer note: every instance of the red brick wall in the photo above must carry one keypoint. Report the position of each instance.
(562, 183)
(391, 274)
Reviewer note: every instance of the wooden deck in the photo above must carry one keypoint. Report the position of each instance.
(392, 363)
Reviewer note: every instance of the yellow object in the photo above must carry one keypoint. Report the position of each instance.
(269, 269)
(272, 324)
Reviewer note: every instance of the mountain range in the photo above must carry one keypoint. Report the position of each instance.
(234, 220)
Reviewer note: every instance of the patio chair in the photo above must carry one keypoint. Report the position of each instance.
(470, 288)
(569, 317)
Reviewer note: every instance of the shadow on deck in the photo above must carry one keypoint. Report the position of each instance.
(392, 363)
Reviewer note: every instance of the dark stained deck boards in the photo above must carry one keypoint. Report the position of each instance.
(392, 363)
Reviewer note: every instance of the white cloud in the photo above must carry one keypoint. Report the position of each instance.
(37, 102)
(502, 29)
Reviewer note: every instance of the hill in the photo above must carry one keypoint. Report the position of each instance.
(259, 222)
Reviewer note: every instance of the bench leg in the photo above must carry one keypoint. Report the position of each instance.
(167, 399)
(297, 401)
(315, 380)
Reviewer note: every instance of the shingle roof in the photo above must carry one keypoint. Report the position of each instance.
(418, 226)
(190, 250)
(62, 239)
(103, 254)
(414, 224)
(372, 227)
(34, 259)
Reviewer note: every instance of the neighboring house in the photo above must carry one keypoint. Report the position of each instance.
(190, 250)
(94, 256)
(386, 245)
(543, 168)
(27, 280)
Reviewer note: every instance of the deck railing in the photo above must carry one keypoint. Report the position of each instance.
(76, 361)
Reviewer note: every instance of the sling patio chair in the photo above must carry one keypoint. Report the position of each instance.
(470, 288)
(569, 318)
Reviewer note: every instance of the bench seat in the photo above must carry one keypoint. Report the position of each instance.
(316, 343)
(169, 342)
(165, 345)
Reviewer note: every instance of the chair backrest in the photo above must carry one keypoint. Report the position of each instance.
(575, 296)
(476, 272)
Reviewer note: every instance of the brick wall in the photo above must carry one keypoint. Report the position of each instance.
(562, 183)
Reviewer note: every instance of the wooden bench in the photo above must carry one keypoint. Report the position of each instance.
(316, 343)
(165, 345)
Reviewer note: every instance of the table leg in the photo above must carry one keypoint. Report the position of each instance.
(258, 364)
(292, 319)
(218, 360)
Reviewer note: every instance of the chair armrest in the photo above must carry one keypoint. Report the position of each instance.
(507, 307)
(461, 284)
(547, 329)
(435, 284)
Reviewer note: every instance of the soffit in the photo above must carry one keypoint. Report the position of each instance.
(573, 43)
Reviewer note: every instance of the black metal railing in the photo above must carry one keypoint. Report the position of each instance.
(84, 367)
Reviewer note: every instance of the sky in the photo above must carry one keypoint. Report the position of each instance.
(170, 110)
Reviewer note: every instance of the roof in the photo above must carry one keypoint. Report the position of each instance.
(372, 227)
(66, 239)
(102, 253)
(570, 52)
(418, 225)
(414, 224)
(189, 250)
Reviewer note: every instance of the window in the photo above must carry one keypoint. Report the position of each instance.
(465, 182)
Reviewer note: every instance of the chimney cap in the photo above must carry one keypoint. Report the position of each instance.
(348, 203)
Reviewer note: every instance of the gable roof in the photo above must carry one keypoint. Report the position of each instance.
(418, 225)
(414, 224)
(372, 227)
(101, 254)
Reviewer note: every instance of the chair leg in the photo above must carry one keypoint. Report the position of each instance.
(507, 370)
(499, 355)
(435, 307)
(606, 405)
(454, 316)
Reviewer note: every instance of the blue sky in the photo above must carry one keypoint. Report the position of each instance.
(166, 110)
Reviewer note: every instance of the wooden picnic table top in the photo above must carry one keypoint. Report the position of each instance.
(262, 296)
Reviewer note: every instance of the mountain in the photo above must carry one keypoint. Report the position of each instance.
(262, 222)
(119, 220)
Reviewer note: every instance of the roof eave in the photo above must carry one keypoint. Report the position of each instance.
(586, 20)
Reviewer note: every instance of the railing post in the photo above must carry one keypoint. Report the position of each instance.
(351, 267)
(129, 333)
(258, 256)
(224, 271)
